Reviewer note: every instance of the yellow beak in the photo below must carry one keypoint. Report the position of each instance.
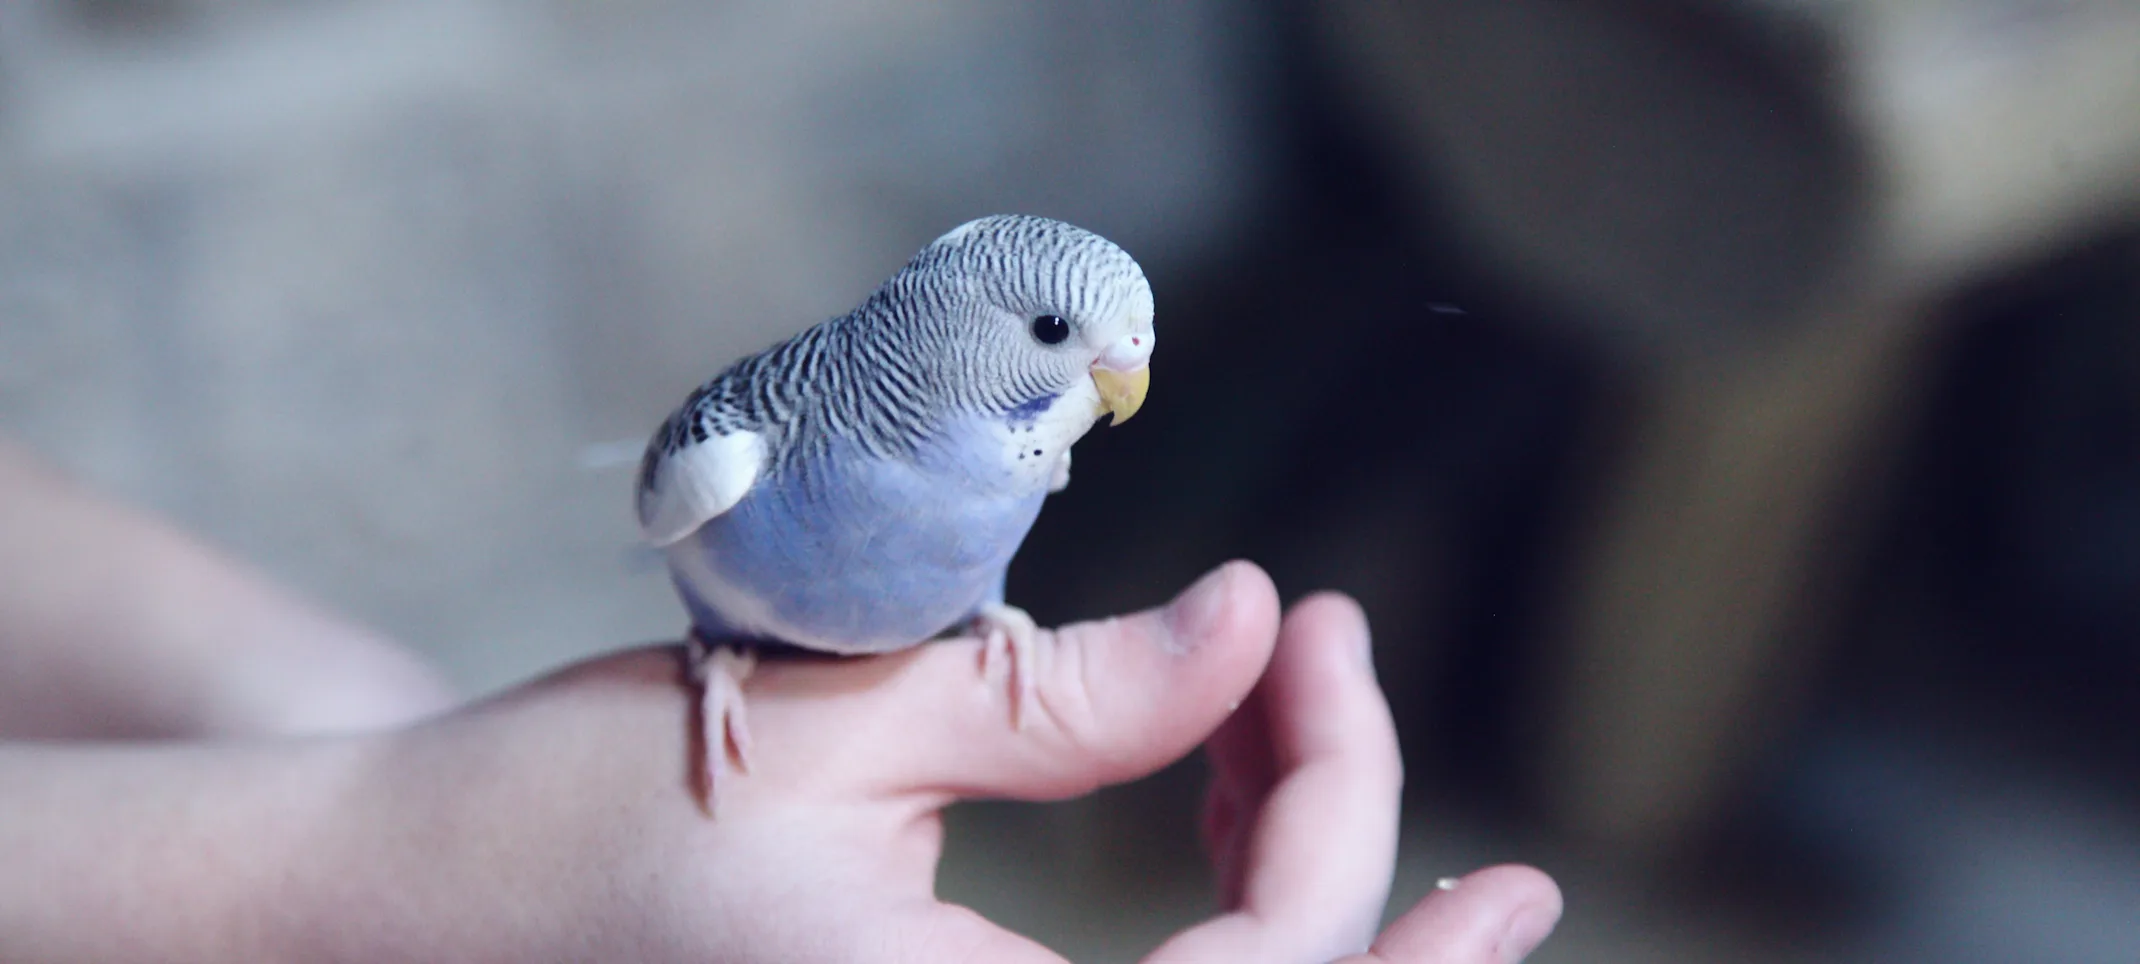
(1122, 393)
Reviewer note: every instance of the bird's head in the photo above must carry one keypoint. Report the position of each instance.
(1034, 312)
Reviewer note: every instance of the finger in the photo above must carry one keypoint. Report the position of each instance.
(1309, 779)
(1324, 847)
(1115, 699)
(1494, 916)
(1243, 773)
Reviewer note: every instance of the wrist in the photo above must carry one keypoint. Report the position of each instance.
(159, 852)
(430, 851)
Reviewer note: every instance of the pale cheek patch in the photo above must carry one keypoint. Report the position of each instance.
(1035, 436)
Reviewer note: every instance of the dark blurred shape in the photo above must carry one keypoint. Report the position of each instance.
(2030, 487)
(2007, 597)
(1589, 146)
(1753, 203)
(1974, 720)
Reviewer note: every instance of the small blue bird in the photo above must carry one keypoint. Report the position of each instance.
(862, 486)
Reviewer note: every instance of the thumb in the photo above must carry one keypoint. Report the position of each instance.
(1113, 700)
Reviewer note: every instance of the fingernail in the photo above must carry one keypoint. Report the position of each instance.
(1366, 649)
(1526, 930)
(1193, 614)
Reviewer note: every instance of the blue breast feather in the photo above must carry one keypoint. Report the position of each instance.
(851, 553)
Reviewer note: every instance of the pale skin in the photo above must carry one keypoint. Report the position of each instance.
(556, 822)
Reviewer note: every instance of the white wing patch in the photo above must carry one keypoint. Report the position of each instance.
(698, 482)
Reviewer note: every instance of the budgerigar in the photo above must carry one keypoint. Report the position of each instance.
(862, 486)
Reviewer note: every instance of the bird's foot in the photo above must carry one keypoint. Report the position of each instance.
(719, 670)
(1010, 639)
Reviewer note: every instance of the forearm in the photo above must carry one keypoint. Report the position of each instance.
(190, 852)
(537, 827)
(114, 624)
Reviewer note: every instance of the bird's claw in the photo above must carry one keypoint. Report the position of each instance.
(720, 670)
(1009, 638)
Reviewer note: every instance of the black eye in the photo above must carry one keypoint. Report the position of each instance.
(1051, 329)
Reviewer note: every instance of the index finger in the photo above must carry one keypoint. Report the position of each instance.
(1308, 785)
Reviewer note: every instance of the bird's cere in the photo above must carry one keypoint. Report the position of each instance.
(1128, 353)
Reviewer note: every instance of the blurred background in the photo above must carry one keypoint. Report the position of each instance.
(1728, 411)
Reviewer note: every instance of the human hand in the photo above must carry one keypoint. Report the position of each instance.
(557, 822)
